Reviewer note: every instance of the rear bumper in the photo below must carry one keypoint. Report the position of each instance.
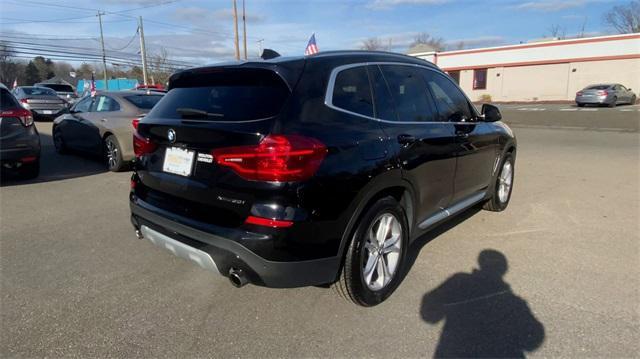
(225, 252)
(55, 112)
(16, 148)
(594, 99)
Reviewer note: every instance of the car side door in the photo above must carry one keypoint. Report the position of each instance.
(423, 146)
(70, 125)
(476, 141)
(94, 123)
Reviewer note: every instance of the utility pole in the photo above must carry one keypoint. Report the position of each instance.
(104, 56)
(235, 27)
(143, 51)
(244, 30)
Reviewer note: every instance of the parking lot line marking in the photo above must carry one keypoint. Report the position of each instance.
(531, 109)
(625, 110)
(588, 109)
(568, 109)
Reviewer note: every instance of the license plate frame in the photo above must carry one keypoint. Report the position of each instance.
(178, 161)
(47, 112)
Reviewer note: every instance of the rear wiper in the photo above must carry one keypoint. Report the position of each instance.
(188, 112)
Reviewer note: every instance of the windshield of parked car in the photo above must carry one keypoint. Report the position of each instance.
(145, 102)
(598, 87)
(35, 91)
(58, 87)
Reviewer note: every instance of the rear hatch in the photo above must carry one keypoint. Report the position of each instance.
(208, 109)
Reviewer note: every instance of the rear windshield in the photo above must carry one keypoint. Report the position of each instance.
(38, 91)
(58, 87)
(598, 87)
(7, 100)
(145, 102)
(224, 95)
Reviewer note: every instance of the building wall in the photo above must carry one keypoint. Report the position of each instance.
(547, 71)
(551, 82)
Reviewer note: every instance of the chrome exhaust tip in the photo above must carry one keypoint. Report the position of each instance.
(237, 278)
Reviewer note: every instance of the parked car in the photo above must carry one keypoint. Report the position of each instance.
(19, 138)
(64, 91)
(43, 102)
(605, 94)
(314, 170)
(103, 125)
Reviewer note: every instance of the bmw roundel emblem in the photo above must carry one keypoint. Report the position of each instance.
(171, 135)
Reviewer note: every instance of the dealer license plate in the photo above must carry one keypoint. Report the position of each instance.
(178, 161)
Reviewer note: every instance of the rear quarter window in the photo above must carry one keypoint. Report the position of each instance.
(224, 94)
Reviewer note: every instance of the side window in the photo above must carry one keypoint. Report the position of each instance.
(83, 105)
(412, 100)
(352, 92)
(452, 104)
(384, 107)
(455, 75)
(105, 104)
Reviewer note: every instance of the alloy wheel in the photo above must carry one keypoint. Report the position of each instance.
(505, 181)
(112, 154)
(382, 251)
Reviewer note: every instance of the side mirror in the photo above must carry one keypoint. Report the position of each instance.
(491, 113)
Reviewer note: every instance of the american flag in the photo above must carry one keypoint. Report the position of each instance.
(312, 48)
(93, 86)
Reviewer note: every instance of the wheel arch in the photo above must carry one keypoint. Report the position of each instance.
(401, 191)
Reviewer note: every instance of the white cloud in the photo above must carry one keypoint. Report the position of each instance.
(387, 4)
(551, 5)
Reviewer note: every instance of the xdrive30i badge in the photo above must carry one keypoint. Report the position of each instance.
(171, 135)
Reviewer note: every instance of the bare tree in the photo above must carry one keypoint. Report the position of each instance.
(435, 43)
(374, 44)
(624, 18)
(581, 34)
(557, 32)
(160, 68)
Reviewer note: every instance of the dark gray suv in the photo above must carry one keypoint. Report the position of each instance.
(19, 138)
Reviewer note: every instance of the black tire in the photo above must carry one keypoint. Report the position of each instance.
(30, 170)
(495, 203)
(58, 142)
(580, 104)
(613, 103)
(351, 284)
(113, 154)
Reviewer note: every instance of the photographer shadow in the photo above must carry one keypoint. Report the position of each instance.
(482, 316)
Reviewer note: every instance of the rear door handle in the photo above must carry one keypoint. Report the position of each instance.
(405, 139)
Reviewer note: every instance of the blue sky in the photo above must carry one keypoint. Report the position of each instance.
(201, 31)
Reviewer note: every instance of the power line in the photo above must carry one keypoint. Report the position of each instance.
(128, 43)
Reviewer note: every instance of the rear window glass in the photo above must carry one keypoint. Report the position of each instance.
(598, 87)
(58, 87)
(35, 91)
(7, 101)
(145, 102)
(224, 95)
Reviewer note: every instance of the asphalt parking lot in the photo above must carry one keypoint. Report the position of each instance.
(75, 281)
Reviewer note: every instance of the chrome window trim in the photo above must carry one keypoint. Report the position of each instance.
(328, 98)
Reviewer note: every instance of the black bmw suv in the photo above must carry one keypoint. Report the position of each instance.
(314, 170)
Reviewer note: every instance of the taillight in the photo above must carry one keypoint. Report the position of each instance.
(24, 103)
(277, 158)
(142, 145)
(579, 93)
(268, 222)
(603, 93)
(135, 122)
(25, 116)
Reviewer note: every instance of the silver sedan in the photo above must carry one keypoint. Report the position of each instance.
(605, 94)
